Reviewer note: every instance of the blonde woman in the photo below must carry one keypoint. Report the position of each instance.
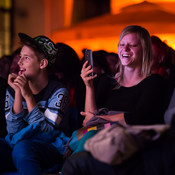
(139, 94)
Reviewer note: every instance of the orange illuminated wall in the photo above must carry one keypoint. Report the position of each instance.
(168, 38)
(81, 38)
(68, 10)
(117, 5)
(5, 27)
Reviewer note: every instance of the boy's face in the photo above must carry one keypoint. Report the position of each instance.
(29, 63)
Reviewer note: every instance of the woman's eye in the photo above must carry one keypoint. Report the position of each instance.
(133, 45)
(121, 45)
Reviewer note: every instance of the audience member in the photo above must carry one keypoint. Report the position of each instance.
(3, 86)
(104, 82)
(8, 64)
(35, 108)
(14, 68)
(139, 94)
(100, 64)
(161, 61)
(169, 115)
(139, 97)
(67, 69)
(170, 85)
(163, 64)
(5, 63)
(112, 59)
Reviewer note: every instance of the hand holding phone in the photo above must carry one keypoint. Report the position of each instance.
(89, 58)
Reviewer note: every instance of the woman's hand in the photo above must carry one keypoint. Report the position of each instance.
(85, 71)
(88, 116)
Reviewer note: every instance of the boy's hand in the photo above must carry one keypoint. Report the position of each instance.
(11, 79)
(22, 82)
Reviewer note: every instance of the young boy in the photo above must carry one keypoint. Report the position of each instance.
(35, 108)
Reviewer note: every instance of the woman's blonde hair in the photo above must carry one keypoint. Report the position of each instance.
(145, 41)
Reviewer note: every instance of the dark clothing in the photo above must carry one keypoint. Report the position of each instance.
(159, 158)
(83, 163)
(3, 86)
(170, 85)
(103, 85)
(29, 157)
(142, 104)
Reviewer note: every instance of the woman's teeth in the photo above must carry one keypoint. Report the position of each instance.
(124, 55)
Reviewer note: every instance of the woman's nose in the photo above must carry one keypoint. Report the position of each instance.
(126, 47)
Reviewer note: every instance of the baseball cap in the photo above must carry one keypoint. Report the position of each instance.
(43, 43)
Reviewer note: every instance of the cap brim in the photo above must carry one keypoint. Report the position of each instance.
(27, 39)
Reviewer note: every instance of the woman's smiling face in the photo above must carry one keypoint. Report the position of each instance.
(130, 50)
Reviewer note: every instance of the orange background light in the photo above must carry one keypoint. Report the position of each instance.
(102, 32)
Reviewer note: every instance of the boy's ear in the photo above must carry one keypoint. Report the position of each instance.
(43, 63)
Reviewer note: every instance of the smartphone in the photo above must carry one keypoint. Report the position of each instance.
(89, 58)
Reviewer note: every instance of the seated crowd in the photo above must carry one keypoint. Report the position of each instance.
(49, 98)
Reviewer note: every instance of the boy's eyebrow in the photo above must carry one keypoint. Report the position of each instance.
(26, 55)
